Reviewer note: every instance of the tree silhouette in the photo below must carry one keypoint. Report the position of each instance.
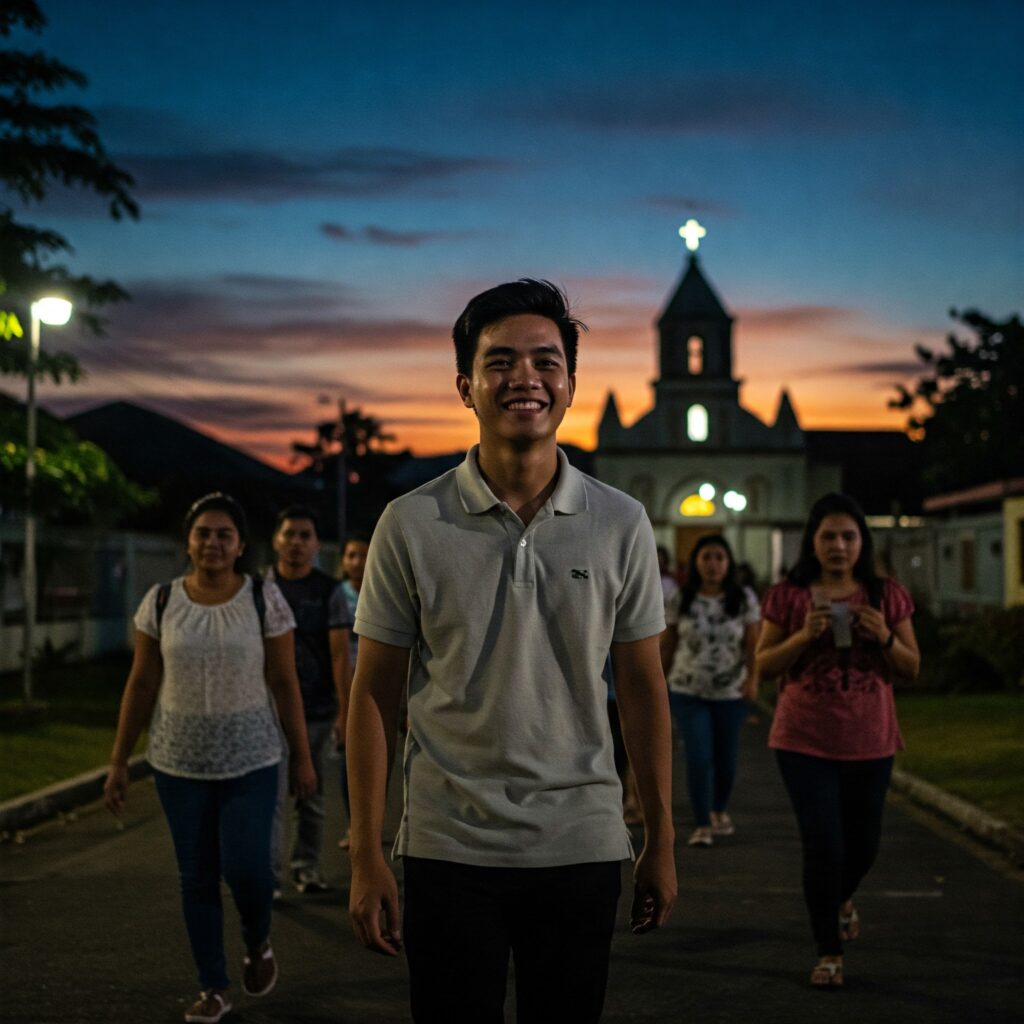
(42, 146)
(967, 407)
(352, 433)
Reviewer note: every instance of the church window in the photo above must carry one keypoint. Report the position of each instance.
(697, 423)
(695, 355)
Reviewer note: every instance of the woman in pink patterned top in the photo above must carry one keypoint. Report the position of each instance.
(836, 634)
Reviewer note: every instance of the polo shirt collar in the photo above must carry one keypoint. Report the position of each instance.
(569, 497)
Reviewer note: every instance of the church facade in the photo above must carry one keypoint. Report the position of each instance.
(698, 460)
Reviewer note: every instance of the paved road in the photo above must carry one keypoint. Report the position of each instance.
(91, 931)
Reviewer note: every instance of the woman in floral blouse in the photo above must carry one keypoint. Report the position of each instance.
(206, 650)
(708, 654)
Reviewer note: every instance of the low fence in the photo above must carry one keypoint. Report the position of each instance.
(90, 583)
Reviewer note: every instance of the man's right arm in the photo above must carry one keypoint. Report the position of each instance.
(381, 673)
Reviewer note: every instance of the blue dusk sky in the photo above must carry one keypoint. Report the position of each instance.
(324, 185)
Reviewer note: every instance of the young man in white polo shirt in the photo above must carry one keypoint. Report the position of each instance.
(495, 593)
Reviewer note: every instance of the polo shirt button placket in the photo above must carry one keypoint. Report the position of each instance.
(520, 576)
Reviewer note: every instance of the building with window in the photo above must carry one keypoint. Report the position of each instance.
(698, 460)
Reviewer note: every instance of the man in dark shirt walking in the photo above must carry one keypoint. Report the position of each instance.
(323, 625)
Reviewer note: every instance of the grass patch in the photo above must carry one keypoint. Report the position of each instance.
(969, 744)
(73, 735)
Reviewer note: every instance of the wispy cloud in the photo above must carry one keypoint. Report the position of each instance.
(263, 176)
(900, 368)
(730, 104)
(690, 204)
(386, 236)
(967, 193)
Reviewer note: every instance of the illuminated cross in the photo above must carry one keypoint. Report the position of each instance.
(691, 233)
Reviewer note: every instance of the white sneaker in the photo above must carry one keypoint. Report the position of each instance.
(701, 837)
(721, 825)
(309, 880)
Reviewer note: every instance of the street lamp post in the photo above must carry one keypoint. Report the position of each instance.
(54, 312)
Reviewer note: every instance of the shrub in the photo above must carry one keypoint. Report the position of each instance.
(983, 654)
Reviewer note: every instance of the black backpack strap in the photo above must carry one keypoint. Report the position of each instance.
(162, 594)
(260, 600)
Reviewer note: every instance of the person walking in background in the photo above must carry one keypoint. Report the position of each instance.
(494, 594)
(837, 635)
(708, 654)
(323, 628)
(207, 648)
(352, 565)
(669, 584)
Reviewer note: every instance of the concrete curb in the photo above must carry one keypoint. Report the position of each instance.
(982, 825)
(25, 811)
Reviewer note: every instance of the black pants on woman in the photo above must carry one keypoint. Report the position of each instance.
(838, 807)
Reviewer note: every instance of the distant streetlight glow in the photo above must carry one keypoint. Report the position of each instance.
(54, 312)
(734, 500)
(706, 491)
(691, 233)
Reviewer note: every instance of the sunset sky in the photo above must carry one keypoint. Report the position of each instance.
(325, 185)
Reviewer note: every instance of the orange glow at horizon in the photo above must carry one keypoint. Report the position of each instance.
(839, 366)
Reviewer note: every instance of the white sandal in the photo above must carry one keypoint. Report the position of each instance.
(207, 1009)
(827, 974)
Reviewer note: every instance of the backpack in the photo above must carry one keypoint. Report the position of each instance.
(258, 599)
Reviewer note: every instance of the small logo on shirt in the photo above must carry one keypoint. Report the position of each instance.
(580, 574)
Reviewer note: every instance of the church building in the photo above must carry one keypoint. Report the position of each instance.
(698, 460)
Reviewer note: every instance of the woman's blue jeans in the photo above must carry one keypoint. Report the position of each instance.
(711, 735)
(221, 828)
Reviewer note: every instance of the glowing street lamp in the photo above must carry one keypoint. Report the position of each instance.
(706, 491)
(54, 312)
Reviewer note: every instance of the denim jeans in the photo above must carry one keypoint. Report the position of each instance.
(462, 922)
(309, 813)
(711, 735)
(221, 827)
(838, 807)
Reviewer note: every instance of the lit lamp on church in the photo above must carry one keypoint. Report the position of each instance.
(54, 312)
(699, 505)
(736, 502)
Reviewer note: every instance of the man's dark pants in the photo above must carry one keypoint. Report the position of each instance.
(461, 922)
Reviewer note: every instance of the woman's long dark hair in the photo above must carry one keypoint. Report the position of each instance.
(733, 592)
(808, 569)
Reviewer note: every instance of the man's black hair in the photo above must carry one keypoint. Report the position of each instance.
(542, 298)
(297, 512)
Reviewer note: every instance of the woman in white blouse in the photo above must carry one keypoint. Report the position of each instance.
(206, 652)
(708, 655)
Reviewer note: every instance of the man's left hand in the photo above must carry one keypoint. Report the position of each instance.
(654, 887)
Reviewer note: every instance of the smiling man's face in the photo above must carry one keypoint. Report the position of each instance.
(520, 386)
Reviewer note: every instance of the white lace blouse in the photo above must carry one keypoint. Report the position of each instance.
(214, 717)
